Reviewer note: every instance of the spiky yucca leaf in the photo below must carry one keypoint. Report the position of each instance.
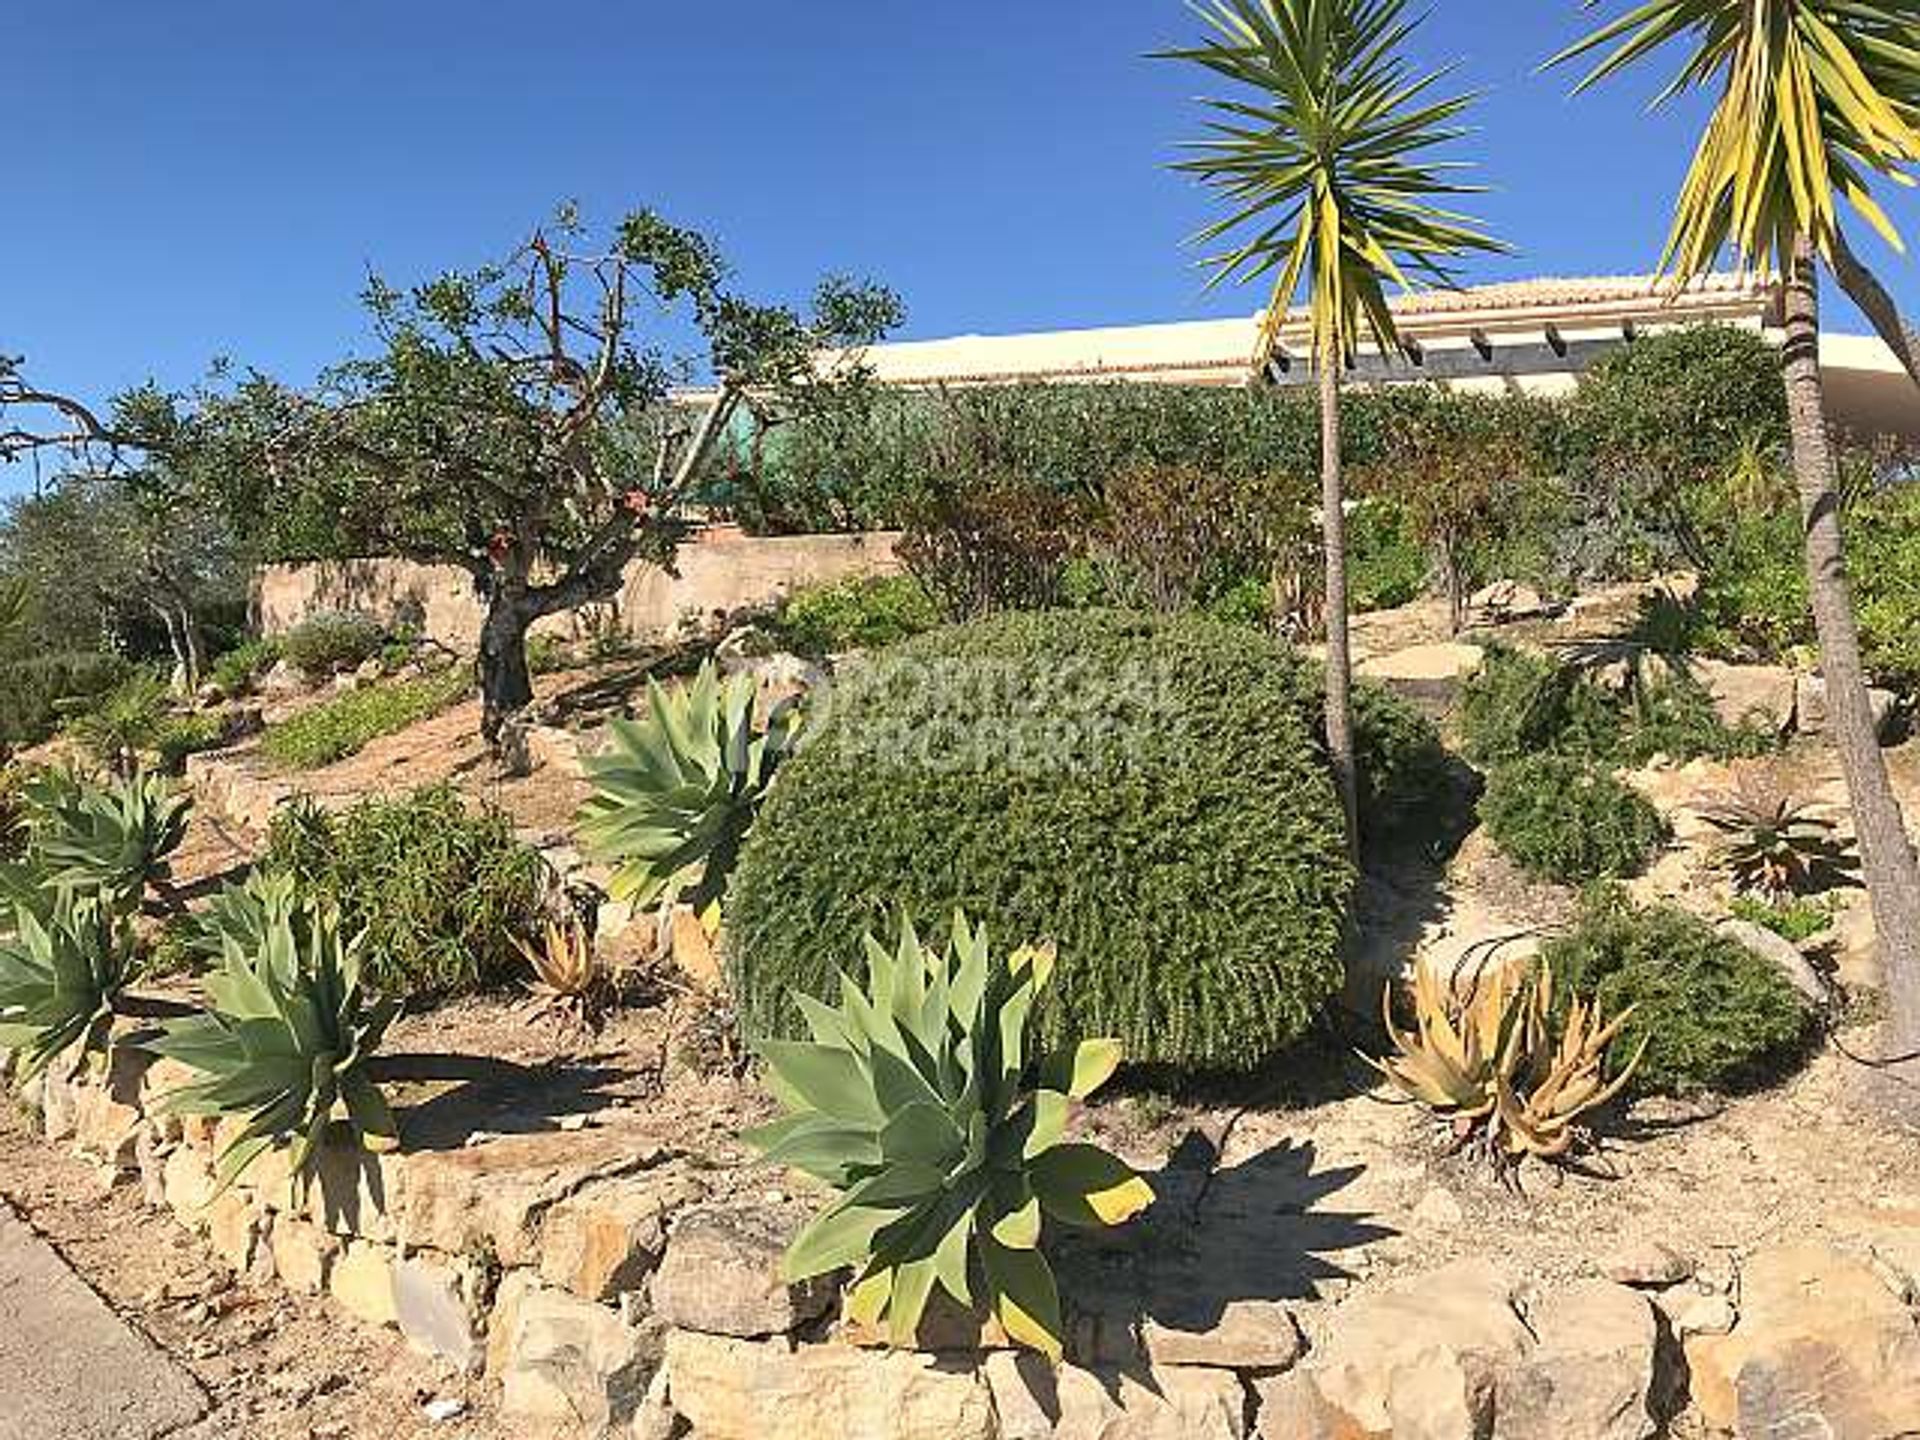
(1327, 162)
(678, 789)
(1813, 99)
(913, 1100)
(63, 961)
(284, 1043)
(109, 840)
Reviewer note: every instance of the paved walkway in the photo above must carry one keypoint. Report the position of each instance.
(70, 1369)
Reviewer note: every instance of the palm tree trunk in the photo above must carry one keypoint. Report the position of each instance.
(1886, 851)
(1333, 503)
(1863, 287)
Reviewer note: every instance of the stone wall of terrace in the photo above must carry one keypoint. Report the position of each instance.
(719, 572)
(614, 1285)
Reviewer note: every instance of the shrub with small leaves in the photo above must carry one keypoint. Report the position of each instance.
(441, 891)
(1564, 819)
(1712, 1014)
(864, 614)
(346, 724)
(1148, 792)
(236, 671)
(329, 642)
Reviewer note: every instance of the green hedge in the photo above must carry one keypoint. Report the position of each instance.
(440, 887)
(1563, 818)
(1713, 1014)
(1144, 792)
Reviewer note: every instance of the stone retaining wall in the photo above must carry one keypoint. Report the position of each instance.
(604, 1280)
(720, 571)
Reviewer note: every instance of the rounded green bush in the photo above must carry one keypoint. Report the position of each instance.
(330, 641)
(1713, 1014)
(1144, 792)
(1566, 819)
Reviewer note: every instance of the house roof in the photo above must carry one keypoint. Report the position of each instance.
(1220, 351)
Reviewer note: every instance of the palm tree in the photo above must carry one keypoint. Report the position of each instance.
(1816, 99)
(1324, 159)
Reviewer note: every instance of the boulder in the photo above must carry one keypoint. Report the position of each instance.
(498, 1194)
(302, 1254)
(562, 1359)
(721, 1273)
(187, 1182)
(1506, 601)
(1694, 1311)
(1758, 694)
(608, 1238)
(727, 1388)
(434, 1305)
(1822, 1347)
(281, 682)
(1810, 707)
(1780, 953)
(361, 1280)
(237, 1231)
(1648, 1265)
(1239, 1335)
(1591, 1373)
(1420, 1359)
(1036, 1401)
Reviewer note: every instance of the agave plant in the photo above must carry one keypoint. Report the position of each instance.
(1775, 845)
(111, 841)
(62, 966)
(678, 790)
(245, 912)
(1491, 1067)
(284, 1043)
(913, 1100)
(569, 978)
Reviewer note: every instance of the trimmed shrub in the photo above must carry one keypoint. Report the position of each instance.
(349, 722)
(31, 691)
(1714, 1015)
(1562, 818)
(1522, 704)
(1143, 791)
(327, 643)
(864, 614)
(236, 671)
(442, 890)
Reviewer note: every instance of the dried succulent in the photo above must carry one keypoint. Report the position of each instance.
(569, 978)
(1490, 1064)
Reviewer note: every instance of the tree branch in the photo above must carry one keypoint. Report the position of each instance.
(1863, 287)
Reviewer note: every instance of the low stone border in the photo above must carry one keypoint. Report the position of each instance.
(607, 1282)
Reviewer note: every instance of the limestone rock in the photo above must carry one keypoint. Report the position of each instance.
(1649, 1265)
(188, 1184)
(1780, 953)
(1810, 706)
(356, 1193)
(59, 1090)
(302, 1254)
(560, 1358)
(1035, 1401)
(1748, 694)
(237, 1233)
(733, 1389)
(721, 1274)
(1693, 1311)
(1290, 1407)
(1591, 1374)
(1420, 1358)
(499, 1193)
(107, 1130)
(361, 1280)
(608, 1238)
(1505, 601)
(433, 1303)
(1822, 1347)
(1241, 1335)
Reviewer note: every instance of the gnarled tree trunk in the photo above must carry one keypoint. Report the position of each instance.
(1887, 855)
(1333, 506)
(506, 681)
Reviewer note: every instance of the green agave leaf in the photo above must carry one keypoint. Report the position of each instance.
(1025, 1298)
(1083, 1069)
(1085, 1186)
(831, 1081)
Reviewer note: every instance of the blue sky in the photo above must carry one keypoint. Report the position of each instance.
(216, 178)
